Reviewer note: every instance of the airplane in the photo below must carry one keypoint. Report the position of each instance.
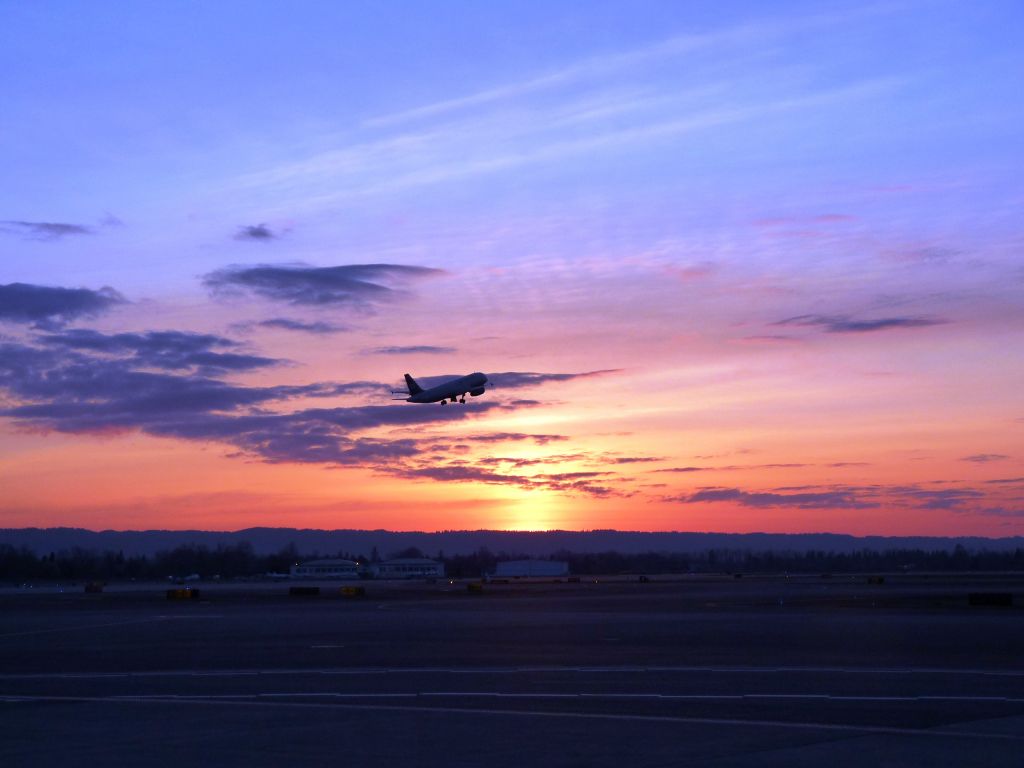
(453, 390)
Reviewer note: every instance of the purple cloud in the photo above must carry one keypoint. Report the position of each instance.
(45, 230)
(946, 498)
(47, 306)
(288, 324)
(351, 285)
(838, 499)
(171, 350)
(458, 472)
(1001, 512)
(72, 385)
(412, 350)
(844, 324)
(504, 437)
(258, 232)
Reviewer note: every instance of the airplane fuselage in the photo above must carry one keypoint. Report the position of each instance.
(473, 385)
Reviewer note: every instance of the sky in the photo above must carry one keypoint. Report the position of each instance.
(728, 266)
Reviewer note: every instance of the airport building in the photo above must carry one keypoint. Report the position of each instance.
(407, 568)
(513, 569)
(326, 569)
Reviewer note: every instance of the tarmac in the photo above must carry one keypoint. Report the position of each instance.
(706, 671)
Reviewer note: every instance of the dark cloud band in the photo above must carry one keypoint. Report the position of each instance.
(45, 230)
(44, 305)
(352, 285)
(844, 324)
(288, 324)
(170, 350)
(413, 350)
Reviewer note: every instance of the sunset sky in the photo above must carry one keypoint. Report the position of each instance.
(730, 266)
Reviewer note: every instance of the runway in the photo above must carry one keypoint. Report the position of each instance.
(711, 673)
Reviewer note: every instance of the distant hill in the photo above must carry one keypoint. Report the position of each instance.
(534, 544)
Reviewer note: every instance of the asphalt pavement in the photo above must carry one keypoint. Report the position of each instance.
(688, 671)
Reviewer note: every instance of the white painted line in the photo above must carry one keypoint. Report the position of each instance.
(74, 627)
(668, 697)
(516, 670)
(248, 701)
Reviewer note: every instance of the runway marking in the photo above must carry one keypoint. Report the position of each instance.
(257, 701)
(562, 696)
(705, 696)
(73, 627)
(514, 670)
(600, 696)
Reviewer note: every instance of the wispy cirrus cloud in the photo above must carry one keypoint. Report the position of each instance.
(928, 255)
(944, 498)
(694, 272)
(523, 379)
(476, 146)
(1001, 511)
(956, 498)
(48, 306)
(318, 327)
(615, 102)
(506, 437)
(770, 338)
(583, 483)
(985, 458)
(45, 230)
(833, 499)
(735, 467)
(420, 349)
(846, 324)
(519, 462)
(352, 285)
(739, 37)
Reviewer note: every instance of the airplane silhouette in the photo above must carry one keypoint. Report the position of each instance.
(453, 390)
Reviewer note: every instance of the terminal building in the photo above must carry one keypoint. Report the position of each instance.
(514, 569)
(326, 569)
(407, 568)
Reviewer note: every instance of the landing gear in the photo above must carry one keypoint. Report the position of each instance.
(463, 400)
(443, 402)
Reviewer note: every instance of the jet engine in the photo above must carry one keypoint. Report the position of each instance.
(476, 392)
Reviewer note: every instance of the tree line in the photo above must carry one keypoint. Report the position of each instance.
(241, 561)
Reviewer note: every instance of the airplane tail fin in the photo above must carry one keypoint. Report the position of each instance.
(414, 388)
